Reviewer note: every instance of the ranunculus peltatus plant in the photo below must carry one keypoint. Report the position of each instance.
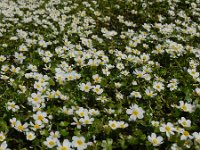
(99, 74)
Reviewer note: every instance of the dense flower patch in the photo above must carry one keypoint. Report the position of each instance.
(99, 74)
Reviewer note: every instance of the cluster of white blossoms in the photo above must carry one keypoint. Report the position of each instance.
(77, 142)
(108, 74)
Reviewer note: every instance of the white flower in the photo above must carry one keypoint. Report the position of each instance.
(4, 146)
(120, 66)
(55, 134)
(113, 124)
(135, 112)
(193, 73)
(19, 57)
(37, 125)
(108, 34)
(93, 112)
(96, 78)
(139, 74)
(40, 117)
(2, 58)
(175, 147)
(4, 68)
(136, 94)
(97, 89)
(14, 69)
(12, 106)
(168, 129)
(79, 142)
(185, 135)
(86, 120)
(21, 127)
(40, 86)
(82, 112)
(196, 136)
(197, 90)
(159, 86)
(186, 107)
(67, 111)
(85, 87)
(30, 136)
(155, 140)
(2, 136)
(155, 123)
(172, 86)
(122, 124)
(184, 122)
(150, 93)
(76, 122)
(50, 142)
(36, 98)
(43, 43)
(13, 122)
(66, 145)
(23, 48)
(118, 85)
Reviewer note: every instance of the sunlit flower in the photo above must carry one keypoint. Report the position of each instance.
(155, 140)
(135, 112)
(186, 107)
(113, 124)
(168, 129)
(40, 117)
(51, 142)
(159, 86)
(184, 122)
(21, 127)
(85, 87)
(30, 136)
(79, 142)
(196, 136)
(2, 136)
(4, 146)
(185, 135)
(66, 145)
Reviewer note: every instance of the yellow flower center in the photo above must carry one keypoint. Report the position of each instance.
(70, 77)
(113, 125)
(20, 127)
(35, 99)
(40, 117)
(79, 142)
(87, 121)
(36, 126)
(38, 86)
(122, 126)
(184, 123)
(30, 136)
(186, 133)
(97, 90)
(135, 113)
(81, 114)
(158, 86)
(51, 143)
(63, 148)
(12, 105)
(167, 128)
(198, 140)
(184, 107)
(86, 88)
(155, 141)
(139, 75)
(1, 138)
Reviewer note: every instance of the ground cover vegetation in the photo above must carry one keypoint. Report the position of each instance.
(99, 74)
